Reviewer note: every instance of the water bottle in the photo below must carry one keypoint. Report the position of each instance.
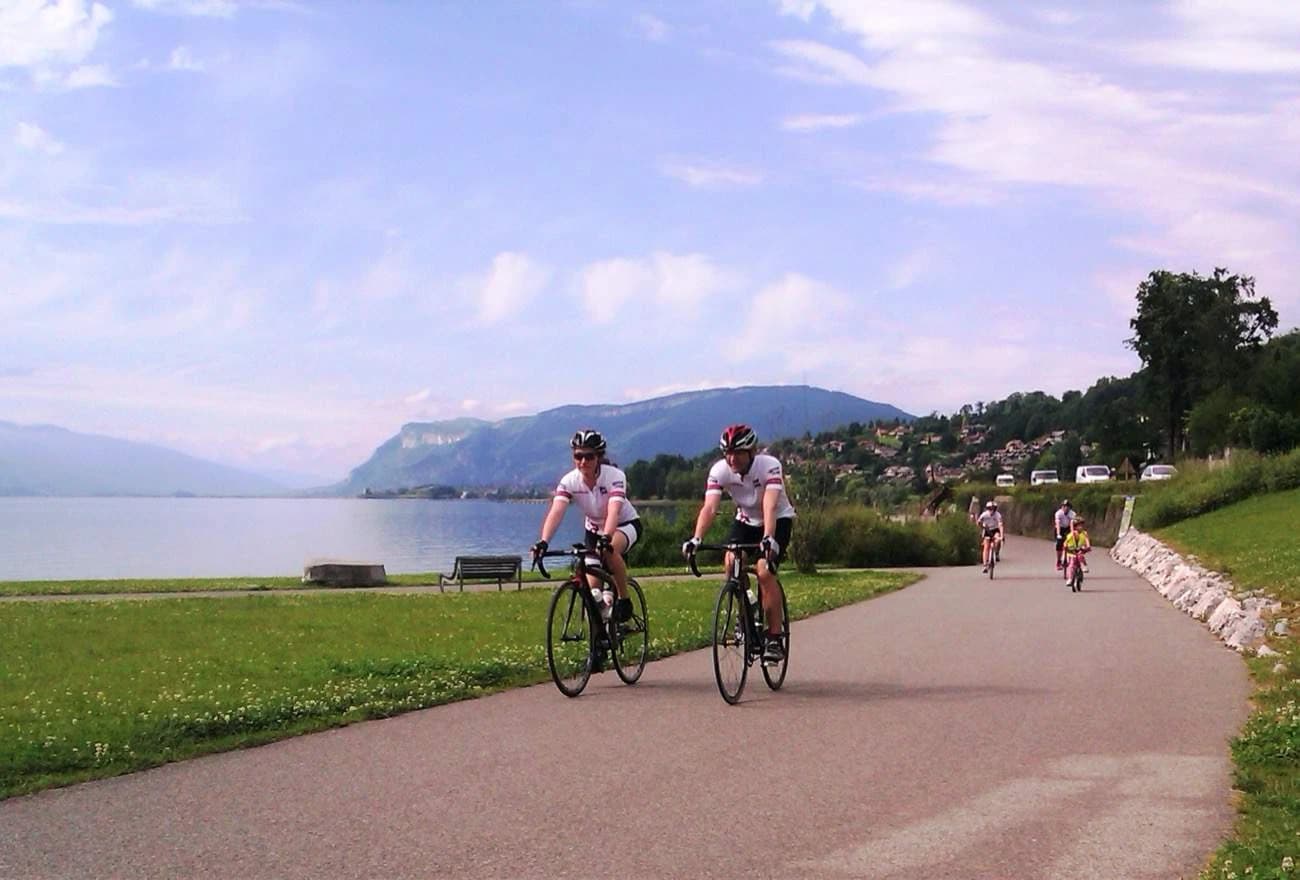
(606, 603)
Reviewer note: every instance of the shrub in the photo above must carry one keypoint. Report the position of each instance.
(1200, 489)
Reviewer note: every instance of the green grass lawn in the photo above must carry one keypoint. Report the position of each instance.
(97, 689)
(235, 584)
(1254, 541)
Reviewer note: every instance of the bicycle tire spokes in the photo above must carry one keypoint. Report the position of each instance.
(632, 638)
(730, 643)
(774, 674)
(570, 639)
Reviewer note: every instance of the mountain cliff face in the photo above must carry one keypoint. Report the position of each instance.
(45, 460)
(533, 450)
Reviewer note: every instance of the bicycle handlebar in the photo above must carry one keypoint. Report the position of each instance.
(579, 550)
(725, 548)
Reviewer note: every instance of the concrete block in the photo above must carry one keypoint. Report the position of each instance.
(337, 573)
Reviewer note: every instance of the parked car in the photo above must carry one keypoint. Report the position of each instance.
(1091, 473)
(1159, 472)
(1005, 481)
(1042, 478)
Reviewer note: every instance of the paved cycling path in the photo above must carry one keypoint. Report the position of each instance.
(960, 728)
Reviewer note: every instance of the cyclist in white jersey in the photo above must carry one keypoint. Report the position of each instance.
(612, 525)
(764, 515)
(1062, 519)
(990, 523)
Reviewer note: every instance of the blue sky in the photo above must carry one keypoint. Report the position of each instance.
(269, 233)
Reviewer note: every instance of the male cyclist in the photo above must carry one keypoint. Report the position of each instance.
(764, 516)
(990, 521)
(1076, 542)
(612, 525)
(1061, 520)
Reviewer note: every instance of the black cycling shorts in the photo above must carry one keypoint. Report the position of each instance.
(990, 533)
(744, 533)
(633, 525)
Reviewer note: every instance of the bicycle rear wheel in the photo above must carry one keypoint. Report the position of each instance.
(730, 665)
(570, 639)
(774, 675)
(632, 638)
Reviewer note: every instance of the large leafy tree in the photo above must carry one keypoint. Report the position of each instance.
(1194, 334)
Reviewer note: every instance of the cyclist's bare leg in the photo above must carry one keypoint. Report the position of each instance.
(984, 555)
(614, 564)
(769, 591)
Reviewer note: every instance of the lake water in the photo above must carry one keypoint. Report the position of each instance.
(87, 538)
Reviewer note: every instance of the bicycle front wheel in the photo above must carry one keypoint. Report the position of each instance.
(570, 639)
(730, 665)
(632, 637)
(1076, 585)
(774, 674)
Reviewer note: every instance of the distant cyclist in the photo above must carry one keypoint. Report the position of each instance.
(1061, 520)
(990, 522)
(764, 516)
(612, 525)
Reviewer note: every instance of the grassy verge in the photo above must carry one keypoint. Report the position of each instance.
(257, 584)
(1253, 541)
(94, 689)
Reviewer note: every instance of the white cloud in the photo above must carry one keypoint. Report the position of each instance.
(711, 175)
(418, 397)
(32, 137)
(182, 58)
(606, 285)
(1189, 173)
(942, 191)
(797, 319)
(37, 32)
(817, 122)
(1251, 36)
(674, 281)
(89, 76)
(196, 8)
(652, 28)
(799, 8)
(510, 284)
(910, 268)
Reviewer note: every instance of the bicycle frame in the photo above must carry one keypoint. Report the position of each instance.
(739, 571)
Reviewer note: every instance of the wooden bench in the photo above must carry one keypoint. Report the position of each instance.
(484, 568)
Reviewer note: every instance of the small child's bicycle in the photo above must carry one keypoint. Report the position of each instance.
(580, 630)
(1074, 569)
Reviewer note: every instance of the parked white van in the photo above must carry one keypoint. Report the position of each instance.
(1005, 481)
(1091, 473)
(1042, 478)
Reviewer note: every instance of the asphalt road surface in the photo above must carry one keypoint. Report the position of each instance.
(961, 728)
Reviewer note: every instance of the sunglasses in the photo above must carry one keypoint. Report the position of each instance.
(583, 456)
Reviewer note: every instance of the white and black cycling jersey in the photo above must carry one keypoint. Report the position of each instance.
(747, 490)
(990, 520)
(1064, 516)
(594, 501)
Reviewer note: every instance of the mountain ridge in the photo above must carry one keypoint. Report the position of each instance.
(40, 460)
(530, 451)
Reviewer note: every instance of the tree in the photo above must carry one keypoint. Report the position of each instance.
(1194, 334)
(1210, 422)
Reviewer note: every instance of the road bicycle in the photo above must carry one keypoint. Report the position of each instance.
(580, 629)
(740, 627)
(1074, 570)
(992, 554)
